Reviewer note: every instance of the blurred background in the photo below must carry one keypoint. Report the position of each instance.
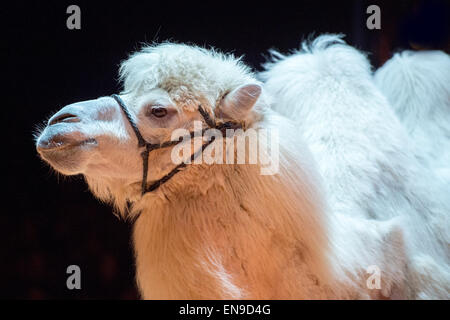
(49, 222)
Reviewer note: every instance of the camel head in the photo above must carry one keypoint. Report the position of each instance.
(163, 88)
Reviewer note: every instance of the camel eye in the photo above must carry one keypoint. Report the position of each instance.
(159, 111)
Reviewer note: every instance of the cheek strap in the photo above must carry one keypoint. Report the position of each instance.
(211, 123)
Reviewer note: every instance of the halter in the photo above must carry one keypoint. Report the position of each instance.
(222, 127)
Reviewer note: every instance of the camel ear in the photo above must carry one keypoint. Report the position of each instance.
(238, 103)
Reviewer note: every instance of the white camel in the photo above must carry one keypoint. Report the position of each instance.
(364, 154)
(417, 85)
(216, 231)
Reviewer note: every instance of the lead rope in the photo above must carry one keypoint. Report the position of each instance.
(153, 146)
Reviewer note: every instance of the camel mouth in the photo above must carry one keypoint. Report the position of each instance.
(60, 142)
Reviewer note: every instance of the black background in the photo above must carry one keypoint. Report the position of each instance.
(49, 222)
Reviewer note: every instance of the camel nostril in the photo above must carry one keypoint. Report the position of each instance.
(66, 117)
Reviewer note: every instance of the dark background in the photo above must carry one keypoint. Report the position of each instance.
(50, 222)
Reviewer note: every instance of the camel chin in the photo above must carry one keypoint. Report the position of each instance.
(65, 149)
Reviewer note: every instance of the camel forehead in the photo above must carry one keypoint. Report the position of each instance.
(187, 73)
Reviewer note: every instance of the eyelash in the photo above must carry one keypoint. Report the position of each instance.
(151, 111)
(159, 122)
(161, 110)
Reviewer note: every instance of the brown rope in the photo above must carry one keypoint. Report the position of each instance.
(222, 127)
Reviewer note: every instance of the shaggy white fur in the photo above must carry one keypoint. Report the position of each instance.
(367, 161)
(228, 232)
(189, 74)
(212, 231)
(417, 84)
(225, 231)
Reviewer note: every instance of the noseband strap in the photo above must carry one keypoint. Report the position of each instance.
(222, 127)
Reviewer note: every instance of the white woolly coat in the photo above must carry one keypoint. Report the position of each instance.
(417, 85)
(366, 159)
